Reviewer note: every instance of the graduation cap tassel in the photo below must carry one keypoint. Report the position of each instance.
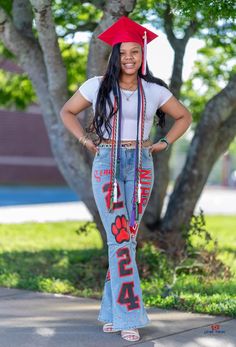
(144, 64)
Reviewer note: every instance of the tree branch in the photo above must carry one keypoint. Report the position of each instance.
(30, 58)
(3, 19)
(168, 26)
(24, 48)
(97, 3)
(56, 72)
(227, 132)
(219, 108)
(23, 17)
(90, 26)
(190, 31)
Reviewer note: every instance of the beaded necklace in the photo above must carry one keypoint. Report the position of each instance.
(116, 148)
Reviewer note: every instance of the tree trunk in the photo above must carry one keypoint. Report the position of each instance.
(152, 217)
(41, 60)
(213, 135)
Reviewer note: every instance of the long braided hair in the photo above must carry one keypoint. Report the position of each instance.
(104, 109)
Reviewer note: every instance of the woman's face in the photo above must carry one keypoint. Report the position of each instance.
(130, 57)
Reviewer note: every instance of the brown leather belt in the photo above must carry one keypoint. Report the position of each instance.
(126, 143)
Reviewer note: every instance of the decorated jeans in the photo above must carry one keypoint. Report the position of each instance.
(122, 302)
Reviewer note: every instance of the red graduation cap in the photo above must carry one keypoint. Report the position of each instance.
(126, 30)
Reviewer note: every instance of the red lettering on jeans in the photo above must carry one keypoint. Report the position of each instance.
(146, 181)
(99, 173)
(145, 174)
(145, 195)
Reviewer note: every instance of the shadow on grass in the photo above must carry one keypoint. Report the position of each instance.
(58, 271)
(228, 249)
(82, 273)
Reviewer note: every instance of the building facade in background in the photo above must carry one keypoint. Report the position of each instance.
(25, 154)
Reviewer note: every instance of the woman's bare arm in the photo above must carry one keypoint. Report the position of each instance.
(76, 104)
(183, 119)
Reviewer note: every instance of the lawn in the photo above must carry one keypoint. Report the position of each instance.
(223, 228)
(59, 258)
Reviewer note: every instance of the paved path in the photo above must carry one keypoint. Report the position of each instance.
(52, 212)
(218, 200)
(32, 319)
(212, 201)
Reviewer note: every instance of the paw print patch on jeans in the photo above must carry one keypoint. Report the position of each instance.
(120, 229)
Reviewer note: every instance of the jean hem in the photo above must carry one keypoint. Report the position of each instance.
(130, 326)
(124, 326)
(100, 319)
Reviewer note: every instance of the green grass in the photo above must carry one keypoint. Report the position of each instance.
(51, 257)
(55, 257)
(52, 236)
(223, 228)
(198, 292)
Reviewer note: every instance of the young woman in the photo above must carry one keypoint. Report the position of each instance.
(124, 100)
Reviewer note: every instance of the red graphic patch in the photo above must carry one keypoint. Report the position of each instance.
(120, 229)
(127, 297)
(108, 276)
(125, 260)
(106, 190)
(133, 230)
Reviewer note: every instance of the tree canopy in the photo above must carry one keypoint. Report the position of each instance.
(215, 25)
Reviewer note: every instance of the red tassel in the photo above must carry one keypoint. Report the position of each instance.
(140, 208)
(144, 64)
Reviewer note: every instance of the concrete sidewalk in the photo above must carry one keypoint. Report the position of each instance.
(53, 212)
(32, 319)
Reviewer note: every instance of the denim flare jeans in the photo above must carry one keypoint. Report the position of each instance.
(122, 302)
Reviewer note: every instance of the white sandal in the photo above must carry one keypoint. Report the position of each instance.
(108, 328)
(130, 334)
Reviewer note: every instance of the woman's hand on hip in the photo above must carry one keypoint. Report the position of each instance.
(157, 147)
(91, 146)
